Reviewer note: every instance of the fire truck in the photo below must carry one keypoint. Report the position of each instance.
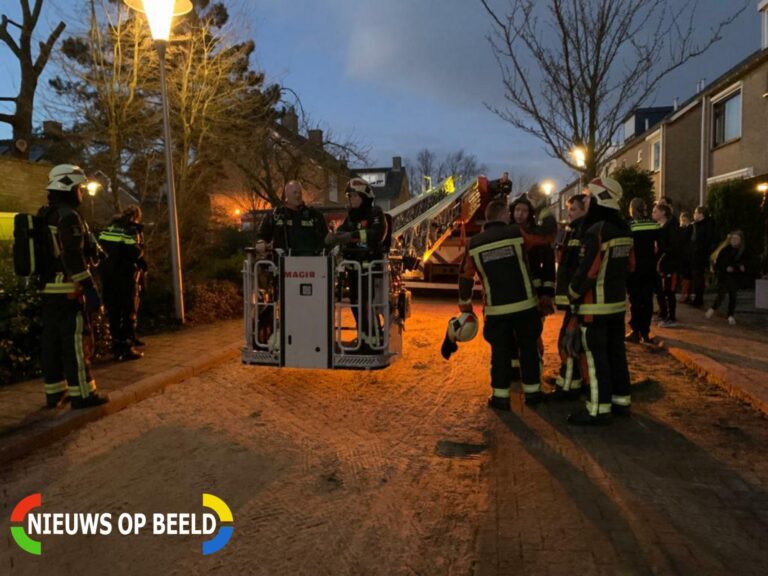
(298, 311)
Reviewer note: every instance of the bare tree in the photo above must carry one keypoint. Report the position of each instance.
(461, 165)
(571, 79)
(31, 68)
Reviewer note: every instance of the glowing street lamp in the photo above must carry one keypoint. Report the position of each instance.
(548, 187)
(579, 155)
(93, 188)
(160, 15)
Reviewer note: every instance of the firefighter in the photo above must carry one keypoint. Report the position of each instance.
(597, 294)
(642, 282)
(512, 320)
(568, 383)
(293, 227)
(501, 188)
(68, 294)
(362, 236)
(120, 275)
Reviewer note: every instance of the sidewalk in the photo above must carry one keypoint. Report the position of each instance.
(733, 357)
(169, 358)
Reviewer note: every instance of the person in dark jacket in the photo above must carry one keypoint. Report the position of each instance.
(731, 269)
(641, 284)
(703, 243)
(685, 239)
(69, 295)
(510, 305)
(361, 237)
(667, 265)
(294, 227)
(597, 293)
(120, 275)
(569, 380)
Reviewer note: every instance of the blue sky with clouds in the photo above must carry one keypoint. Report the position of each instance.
(402, 75)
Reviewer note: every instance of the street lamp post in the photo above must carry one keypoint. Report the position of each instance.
(160, 14)
(92, 187)
(763, 188)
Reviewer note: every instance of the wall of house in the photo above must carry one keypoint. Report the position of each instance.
(682, 159)
(750, 150)
(22, 185)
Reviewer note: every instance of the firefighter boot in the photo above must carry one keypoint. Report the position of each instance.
(499, 403)
(56, 399)
(128, 353)
(89, 401)
(584, 418)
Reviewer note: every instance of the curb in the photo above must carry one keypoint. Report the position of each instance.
(715, 373)
(47, 432)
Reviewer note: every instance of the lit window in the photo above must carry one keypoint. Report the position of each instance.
(727, 119)
(656, 156)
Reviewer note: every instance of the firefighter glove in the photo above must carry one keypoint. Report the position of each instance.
(570, 344)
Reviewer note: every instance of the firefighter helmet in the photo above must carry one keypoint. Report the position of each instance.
(463, 328)
(361, 187)
(606, 192)
(66, 178)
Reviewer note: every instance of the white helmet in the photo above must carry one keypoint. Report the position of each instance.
(606, 192)
(360, 186)
(66, 177)
(463, 328)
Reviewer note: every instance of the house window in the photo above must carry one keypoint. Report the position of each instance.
(726, 115)
(656, 156)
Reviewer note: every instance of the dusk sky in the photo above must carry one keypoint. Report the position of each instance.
(401, 75)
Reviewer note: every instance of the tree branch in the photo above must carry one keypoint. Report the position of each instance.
(46, 47)
(7, 38)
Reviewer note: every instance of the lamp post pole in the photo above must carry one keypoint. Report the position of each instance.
(173, 220)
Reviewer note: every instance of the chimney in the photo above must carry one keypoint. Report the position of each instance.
(675, 104)
(397, 163)
(52, 129)
(291, 120)
(316, 137)
(762, 8)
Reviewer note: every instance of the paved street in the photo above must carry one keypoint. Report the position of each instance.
(405, 471)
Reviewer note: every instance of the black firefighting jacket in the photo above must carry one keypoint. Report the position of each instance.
(368, 227)
(567, 262)
(541, 256)
(598, 286)
(70, 246)
(645, 233)
(302, 231)
(498, 256)
(122, 241)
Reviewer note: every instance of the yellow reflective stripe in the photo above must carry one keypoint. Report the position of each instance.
(600, 309)
(80, 276)
(484, 277)
(515, 363)
(562, 300)
(621, 400)
(463, 302)
(55, 387)
(58, 288)
(54, 230)
(531, 388)
(549, 284)
(363, 236)
(524, 269)
(536, 283)
(307, 223)
(80, 356)
(573, 294)
(595, 409)
(573, 243)
(644, 226)
(117, 238)
(501, 392)
(495, 245)
(600, 285)
(617, 242)
(592, 374)
(511, 308)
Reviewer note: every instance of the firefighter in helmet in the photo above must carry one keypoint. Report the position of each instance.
(69, 295)
(597, 293)
(361, 237)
